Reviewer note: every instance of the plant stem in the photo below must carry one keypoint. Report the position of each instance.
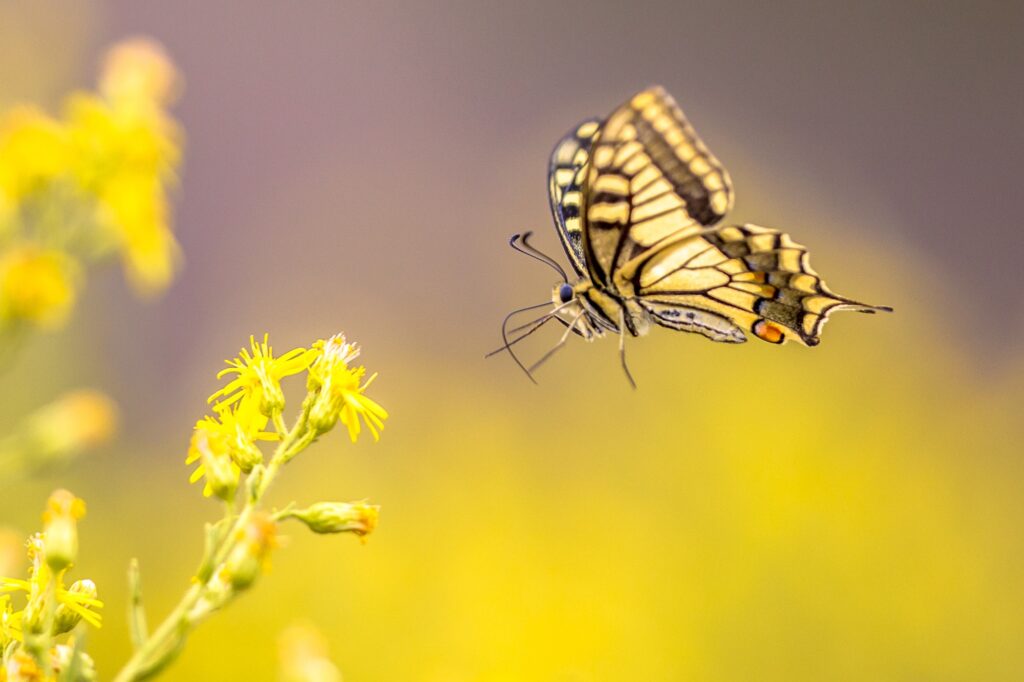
(162, 645)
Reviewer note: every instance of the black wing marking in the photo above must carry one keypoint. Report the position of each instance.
(566, 173)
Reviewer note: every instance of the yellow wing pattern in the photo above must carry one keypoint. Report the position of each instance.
(755, 277)
(652, 196)
(566, 174)
(650, 181)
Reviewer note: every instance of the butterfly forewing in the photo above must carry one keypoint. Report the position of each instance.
(650, 181)
(566, 174)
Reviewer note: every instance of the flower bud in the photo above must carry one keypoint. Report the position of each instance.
(340, 517)
(272, 399)
(61, 660)
(323, 414)
(243, 451)
(245, 562)
(60, 529)
(221, 478)
(139, 69)
(76, 421)
(65, 619)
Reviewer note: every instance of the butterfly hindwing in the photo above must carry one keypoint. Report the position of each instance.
(756, 277)
(566, 174)
(650, 181)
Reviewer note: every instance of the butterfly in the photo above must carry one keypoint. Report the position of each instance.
(637, 200)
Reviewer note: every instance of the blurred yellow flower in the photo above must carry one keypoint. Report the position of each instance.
(126, 152)
(60, 528)
(22, 667)
(11, 551)
(33, 150)
(339, 390)
(250, 556)
(37, 286)
(98, 179)
(303, 656)
(73, 422)
(138, 69)
(256, 387)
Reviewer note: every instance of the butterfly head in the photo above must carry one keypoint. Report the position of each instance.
(573, 309)
(563, 294)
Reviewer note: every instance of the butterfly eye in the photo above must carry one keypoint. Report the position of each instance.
(565, 293)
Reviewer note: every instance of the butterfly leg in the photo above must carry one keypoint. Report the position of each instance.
(622, 348)
(557, 346)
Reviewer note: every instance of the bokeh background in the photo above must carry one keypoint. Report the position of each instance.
(848, 512)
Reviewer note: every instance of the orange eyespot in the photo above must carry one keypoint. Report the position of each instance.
(766, 331)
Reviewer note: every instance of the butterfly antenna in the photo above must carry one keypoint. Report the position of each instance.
(508, 346)
(521, 243)
(539, 322)
(533, 324)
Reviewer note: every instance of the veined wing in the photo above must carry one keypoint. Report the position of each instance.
(566, 174)
(650, 181)
(753, 277)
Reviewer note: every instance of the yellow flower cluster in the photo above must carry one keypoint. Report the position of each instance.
(27, 643)
(92, 182)
(225, 444)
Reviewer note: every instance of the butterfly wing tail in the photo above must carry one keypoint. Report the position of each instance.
(792, 301)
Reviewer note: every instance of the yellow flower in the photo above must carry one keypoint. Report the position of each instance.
(80, 601)
(33, 150)
(224, 446)
(109, 141)
(339, 390)
(256, 387)
(126, 153)
(210, 446)
(137, 209)
(127, 158)
(37, 285)
(75, 421)
(138, 69)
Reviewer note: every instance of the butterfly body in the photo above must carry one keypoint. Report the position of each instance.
(597, 312)
(637, 200)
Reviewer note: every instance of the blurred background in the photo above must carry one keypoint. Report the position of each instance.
(847, 512)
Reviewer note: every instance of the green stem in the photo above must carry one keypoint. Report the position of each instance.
(165, 642)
